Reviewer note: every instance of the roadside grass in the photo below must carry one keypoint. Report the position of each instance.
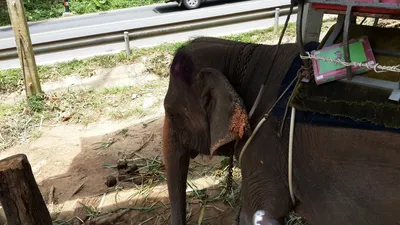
(11, 80)
(264, 36)
(85, 106)
(81, 106)
(47, 9)
(157, 63)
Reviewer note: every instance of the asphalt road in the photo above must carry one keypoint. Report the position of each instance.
(105, 17)
(128, 19)
(90, 19)
(110, 17)
(135, 17)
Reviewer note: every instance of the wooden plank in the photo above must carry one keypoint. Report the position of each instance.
(19, 193)
(23, 41)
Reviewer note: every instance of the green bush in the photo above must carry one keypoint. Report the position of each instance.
(45, 9)
(36, 102)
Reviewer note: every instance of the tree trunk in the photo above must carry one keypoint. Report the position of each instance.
(23, 42)
(19, 194)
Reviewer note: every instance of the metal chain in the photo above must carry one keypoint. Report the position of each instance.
(246, 62)
(244, 67)
(240, 57)
(229, 179)
(228, 186)
(238, 215)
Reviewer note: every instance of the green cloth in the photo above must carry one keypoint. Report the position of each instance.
(352, 100)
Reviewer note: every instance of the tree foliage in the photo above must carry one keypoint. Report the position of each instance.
(46, 9)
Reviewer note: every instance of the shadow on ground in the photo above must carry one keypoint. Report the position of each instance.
(80, 193)
(153, 211)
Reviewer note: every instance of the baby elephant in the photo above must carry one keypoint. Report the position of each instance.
(341, 175)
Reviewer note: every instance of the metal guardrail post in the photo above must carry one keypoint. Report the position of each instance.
(277, 12)
(127, 47)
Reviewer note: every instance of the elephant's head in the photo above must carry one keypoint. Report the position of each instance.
(203, 113)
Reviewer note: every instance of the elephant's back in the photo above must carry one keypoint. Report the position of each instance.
(233, 57)
(214, 52)
(206, 52)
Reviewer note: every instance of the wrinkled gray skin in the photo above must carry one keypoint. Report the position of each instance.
(340, 175)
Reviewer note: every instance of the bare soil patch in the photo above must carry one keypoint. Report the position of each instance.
(68, 159)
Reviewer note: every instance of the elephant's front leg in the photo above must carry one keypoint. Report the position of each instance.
(177, 171)
(176, 162)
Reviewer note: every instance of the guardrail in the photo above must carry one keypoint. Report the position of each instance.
(152, 31)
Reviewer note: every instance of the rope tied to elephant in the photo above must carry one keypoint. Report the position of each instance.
(303, 72)
(266, 117)
(376, 67)
(261, 91)
(258, 98)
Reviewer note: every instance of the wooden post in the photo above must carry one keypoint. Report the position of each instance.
(19, 193)
(23, 41)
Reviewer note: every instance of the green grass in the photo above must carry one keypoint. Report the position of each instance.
(16, 126)
(11, 80)
(83, 105)
(90, 105)
(37, 10)
(159, 58)
(266, 35)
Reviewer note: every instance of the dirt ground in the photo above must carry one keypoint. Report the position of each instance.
(64, 158)
(71, 163)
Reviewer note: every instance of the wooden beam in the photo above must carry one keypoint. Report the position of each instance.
(312, 23)
(23, 41)
(19, 193)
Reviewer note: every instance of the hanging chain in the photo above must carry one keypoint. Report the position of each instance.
(246, 62)
(239, 58)
(229, 178)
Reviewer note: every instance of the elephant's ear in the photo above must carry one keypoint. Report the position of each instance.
(226, 113)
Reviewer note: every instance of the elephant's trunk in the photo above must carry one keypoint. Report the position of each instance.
(176, 162)
(263, 218)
